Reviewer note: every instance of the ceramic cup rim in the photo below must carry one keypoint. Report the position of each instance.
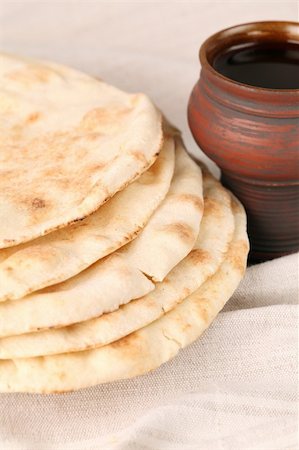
(254, 29)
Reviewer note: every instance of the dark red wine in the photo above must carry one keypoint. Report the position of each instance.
(271, 65)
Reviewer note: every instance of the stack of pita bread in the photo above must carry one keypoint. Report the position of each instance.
(116, 248)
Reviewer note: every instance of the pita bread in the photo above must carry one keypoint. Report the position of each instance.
(64, 253)
(118, 278)
(173, 229)
(68, 143)
(213, 241)
(143, 350)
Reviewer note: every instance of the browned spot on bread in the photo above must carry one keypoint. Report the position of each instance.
(130, 236)
(149, 176)
(237, 255)
(98, 166)
(182, 230)
(154, 170)
(129, 344)
(185, 327)
(63, 182)
(53, 288)
(181, 322)
(198, 256)
(99, 117)
(61, 376)
(33, 117)
(211, 207)
(93, 136)
(31, 74)
(193, 199)
(150, 303)
(41, 74)
(38, 203)
(204, 314)
(202, 308)
(185, 294)
(7, 173)
(204, 311)
(139, 156)
(55, 392)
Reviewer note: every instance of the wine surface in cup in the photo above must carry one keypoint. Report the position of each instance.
(267, 65)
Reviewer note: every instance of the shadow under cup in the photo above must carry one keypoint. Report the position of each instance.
(244, 114)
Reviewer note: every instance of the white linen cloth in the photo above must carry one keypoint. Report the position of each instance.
(236, 387)
(233, 389)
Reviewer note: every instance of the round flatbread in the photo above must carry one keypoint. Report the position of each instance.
(215, 235)
(64, 253)
(143, 350)
(68, 143)
(125, 274)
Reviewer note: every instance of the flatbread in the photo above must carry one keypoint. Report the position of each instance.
(143, 350)
(64, 253)
(88, 295)
(68, 143)
(216, 233)
(172, 231)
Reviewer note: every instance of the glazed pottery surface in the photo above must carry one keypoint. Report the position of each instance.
(252, 134)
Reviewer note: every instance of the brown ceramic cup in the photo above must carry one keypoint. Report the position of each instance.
(252, 134)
